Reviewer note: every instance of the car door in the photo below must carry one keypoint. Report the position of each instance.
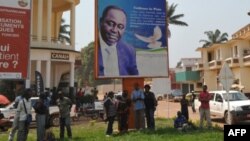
(212, 103)
(218, 105)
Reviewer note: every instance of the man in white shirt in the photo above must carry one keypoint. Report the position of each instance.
(115, 57)
(21, 113)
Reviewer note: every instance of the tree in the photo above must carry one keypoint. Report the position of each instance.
(87, 72)
(172, 18)
(64, 32)
(214, 37)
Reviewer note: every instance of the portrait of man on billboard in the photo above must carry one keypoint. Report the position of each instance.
(131, 39)
(115, 56)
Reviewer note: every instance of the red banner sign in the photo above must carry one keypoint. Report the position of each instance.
(14, 38)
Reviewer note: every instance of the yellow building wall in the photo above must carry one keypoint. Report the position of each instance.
(244, 79)
(210, 79)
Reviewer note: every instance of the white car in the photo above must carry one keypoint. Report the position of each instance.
(9, 112)
(239, 106)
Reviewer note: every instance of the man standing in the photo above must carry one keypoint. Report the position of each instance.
(23, 109)
(64, 105)
(150, 107)
(115, 57)
(204, 98)
(139, 106)
(41, 112)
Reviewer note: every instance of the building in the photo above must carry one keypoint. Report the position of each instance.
(235, 52)
(187, 76)
(54, 58)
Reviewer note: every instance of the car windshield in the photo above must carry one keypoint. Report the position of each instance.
(235, 96)
(177, 93)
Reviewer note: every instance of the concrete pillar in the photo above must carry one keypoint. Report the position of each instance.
(40, 20)
(49, 12)
(48, 71)
(72, 25)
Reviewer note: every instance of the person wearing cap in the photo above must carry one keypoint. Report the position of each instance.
(64, 104)
(150, 107)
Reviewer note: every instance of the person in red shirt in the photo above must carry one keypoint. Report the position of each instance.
(204, 109)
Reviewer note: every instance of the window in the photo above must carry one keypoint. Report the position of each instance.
(212, 96)
(218, 98)
(188, 68)
(235, 51)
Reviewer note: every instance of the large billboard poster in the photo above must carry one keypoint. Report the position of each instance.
(131, 39)
(14, 38)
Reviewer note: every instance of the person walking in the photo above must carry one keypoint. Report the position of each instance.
(184, 106)
(41, 112)
(204, 109)
(23, 109)
(150, 107)
(139, 107)
(64, 105)
(14, 127)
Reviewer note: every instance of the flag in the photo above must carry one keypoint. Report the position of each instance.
(39, 83)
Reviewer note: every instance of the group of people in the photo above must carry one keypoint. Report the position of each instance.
(144, 102)
(181, 122)
(41, 106)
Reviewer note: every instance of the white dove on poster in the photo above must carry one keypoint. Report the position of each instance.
(152, 40)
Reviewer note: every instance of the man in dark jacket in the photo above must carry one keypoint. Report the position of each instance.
(150, 107)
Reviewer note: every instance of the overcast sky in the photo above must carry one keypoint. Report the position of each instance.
(201, 15)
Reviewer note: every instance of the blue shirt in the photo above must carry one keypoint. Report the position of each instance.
(179, 121)
(138, 98)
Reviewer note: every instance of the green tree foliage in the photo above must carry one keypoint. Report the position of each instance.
(173, 18)
(87, 72)
(64, 32)
(214, 37)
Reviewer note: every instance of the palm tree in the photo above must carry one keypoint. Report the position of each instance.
(172, 18)
(214, 37)
(64, 32)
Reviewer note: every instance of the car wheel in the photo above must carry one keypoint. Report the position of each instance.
(159, 98)
(54, 121)
(228, 120)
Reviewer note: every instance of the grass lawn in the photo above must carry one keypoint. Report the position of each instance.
(164, 132)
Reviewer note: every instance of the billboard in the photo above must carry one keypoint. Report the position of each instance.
(131, 39)
(14, 38)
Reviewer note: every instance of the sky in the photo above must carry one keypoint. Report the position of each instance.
(201, 15)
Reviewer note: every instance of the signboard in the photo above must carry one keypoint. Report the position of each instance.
(226, 77)
(60, 56)
(14, 38)
(131, 39)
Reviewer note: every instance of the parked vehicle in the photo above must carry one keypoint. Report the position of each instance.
(9, 112)
(161, 87)
(176, 95)
(239, 106)
(94, 111)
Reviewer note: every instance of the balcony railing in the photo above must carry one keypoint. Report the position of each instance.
(52, 43)
(215, 64)
(246, 60)
(199, 66)
(232, 62)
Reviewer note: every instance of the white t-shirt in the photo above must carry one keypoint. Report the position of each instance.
(109, 58)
